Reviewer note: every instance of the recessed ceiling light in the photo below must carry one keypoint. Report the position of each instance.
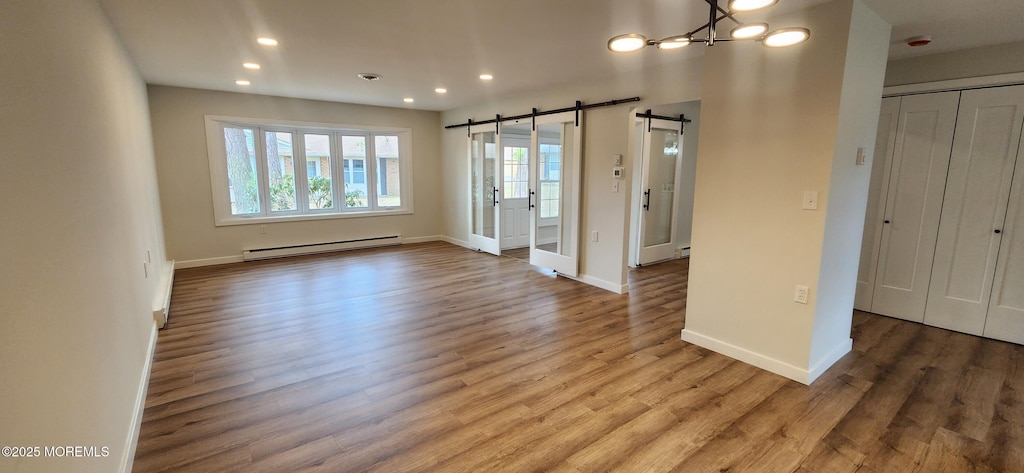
(486, 77)
(251, 65)
(267, 41)
(408, 100)
(441, 90)
(243, 82)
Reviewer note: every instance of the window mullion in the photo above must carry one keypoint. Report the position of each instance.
(371, 171)
(301, 175)
(337, 173)
(262, 174)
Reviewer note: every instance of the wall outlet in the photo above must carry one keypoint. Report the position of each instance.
(801, 294)
(810, 200)
(593, 235)
(263, 229)
(615, 186)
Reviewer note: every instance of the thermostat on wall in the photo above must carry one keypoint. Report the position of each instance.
(618, 172)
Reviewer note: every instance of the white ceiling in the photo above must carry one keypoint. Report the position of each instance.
(417, 45)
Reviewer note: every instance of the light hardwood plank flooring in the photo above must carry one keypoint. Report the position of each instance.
(431, 357)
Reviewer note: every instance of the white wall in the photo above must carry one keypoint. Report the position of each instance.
(859, 106)
(183, 168)
(984, 61)
(772, 128)
(80, 211)
(606, 133)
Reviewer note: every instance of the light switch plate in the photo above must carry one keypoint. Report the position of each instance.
(862, 156)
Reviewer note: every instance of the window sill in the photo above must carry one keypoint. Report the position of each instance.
(298, 218)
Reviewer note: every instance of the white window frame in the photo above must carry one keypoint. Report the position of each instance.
(215, 125)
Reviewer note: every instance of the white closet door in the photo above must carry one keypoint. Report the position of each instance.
(1006, 307)
(974, 207)
(923, 140)
(885, 144)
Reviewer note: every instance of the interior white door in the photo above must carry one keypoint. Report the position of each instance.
(924, 138)
(484, 201)
(556, 192)
(515, 211)
(981, 166)
(885, 144)
(1006, 306)
(662, 145)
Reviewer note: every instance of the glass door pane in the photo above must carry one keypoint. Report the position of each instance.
(664, 154)
(551, 171)
(483, 174)
(556, 181)
(661, 155)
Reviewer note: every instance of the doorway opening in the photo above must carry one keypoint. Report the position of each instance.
(664, 166)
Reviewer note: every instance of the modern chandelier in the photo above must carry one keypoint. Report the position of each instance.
(743, 31)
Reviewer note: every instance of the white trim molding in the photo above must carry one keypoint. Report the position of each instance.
(197, 263)
(132, 442)
(777, 367)
(600, 283)
(955, 84)
(162, 304)
(830, 359)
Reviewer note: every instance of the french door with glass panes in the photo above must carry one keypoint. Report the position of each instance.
(485, 175)
(515, 185)
(555, 191)
(661, 155)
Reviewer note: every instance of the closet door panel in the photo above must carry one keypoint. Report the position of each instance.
(1006, 306)
(885, 144)
(981, 168)
(923, 141)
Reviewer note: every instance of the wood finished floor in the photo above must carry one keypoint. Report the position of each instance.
(431, 357)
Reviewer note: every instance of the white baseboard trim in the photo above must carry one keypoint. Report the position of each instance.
(464, 244)
(601, 283)
(830, 359)
(423, 239)
(196, 263)
(140, 406)
(767, 363)
(162, 304)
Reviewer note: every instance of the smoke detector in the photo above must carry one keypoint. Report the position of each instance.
(368, 76)
(919, 40)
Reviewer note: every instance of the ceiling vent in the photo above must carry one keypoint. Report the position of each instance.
(368, 76)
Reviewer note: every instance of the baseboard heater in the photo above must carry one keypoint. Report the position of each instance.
(326, 247)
